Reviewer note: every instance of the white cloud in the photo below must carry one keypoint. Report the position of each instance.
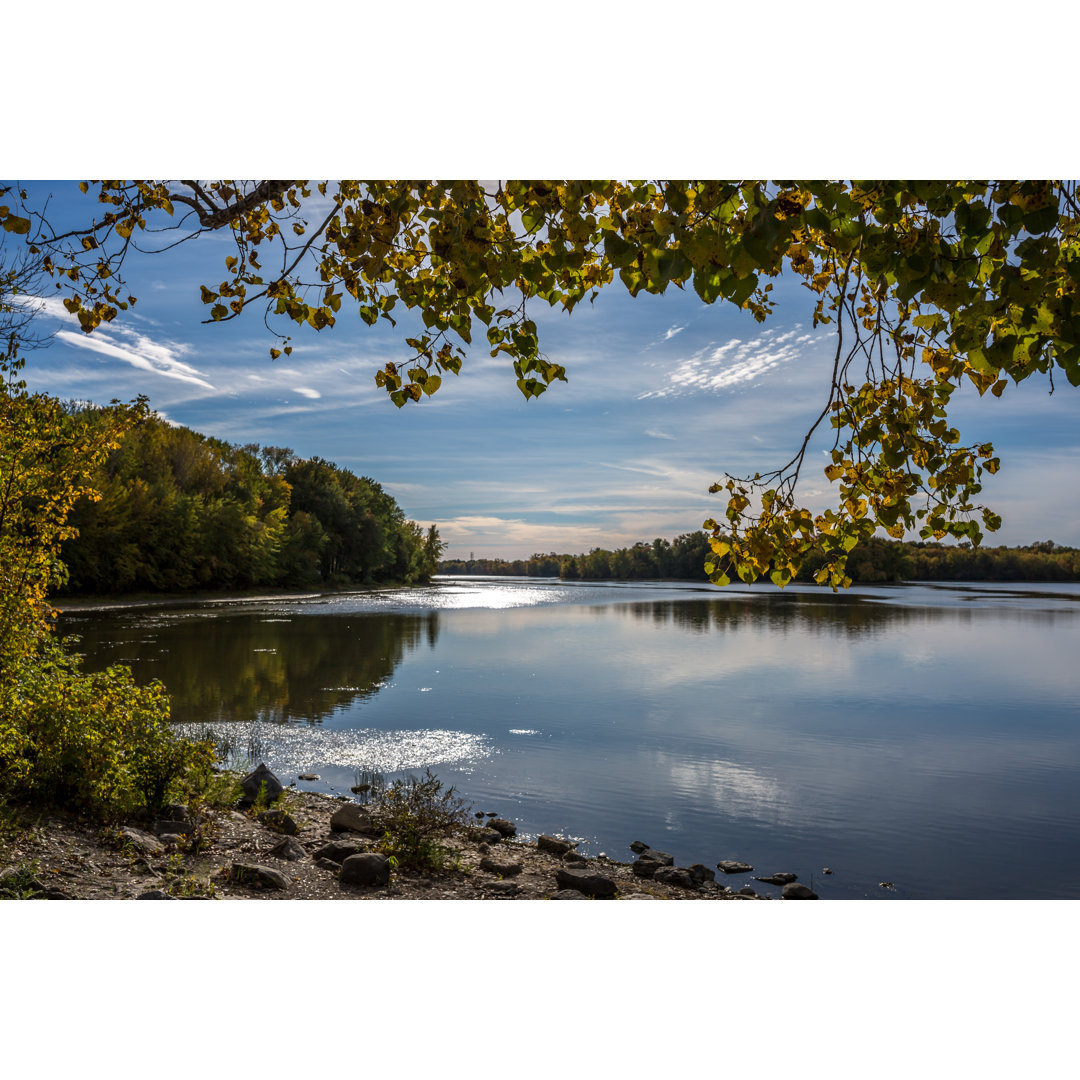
(715, 369)
(307, 392)
(157, 357)
(653, 434)
(672, 331)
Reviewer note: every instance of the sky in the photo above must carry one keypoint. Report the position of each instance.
(665, 396)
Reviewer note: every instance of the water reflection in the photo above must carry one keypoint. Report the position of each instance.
(251, 666)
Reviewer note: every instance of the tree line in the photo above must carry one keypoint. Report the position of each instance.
(175, 510)
(873, 561)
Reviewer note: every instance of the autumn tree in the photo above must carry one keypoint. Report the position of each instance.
(929, 284)
(96, 741)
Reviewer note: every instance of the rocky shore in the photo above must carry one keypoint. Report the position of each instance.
(317, 847)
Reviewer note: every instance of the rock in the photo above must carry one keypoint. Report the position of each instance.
(640, 896)
(289, 849)
(503, 827)
(795, 891)
(256, 876)
(746, 890)
(140, 841)
(252, 785)
(555, 844)
(701, 873)
(279, 821)
(359, 789)
(337, 851)
(154, 894)
(674, 875)
(503, 869)
(778, 879)
(661, 857)
(638, 846)
(328, 864)
(352, 817)
(574, 857)
(733, 866)
(568, 894)
(173, 828)
(487, 836)
(502, 888)
(176, 811)
(595, 885)
(308, 776)
(645, 867)
(826, 870)
(367, 869)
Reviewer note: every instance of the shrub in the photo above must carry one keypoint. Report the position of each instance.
(95, 741)
(417, 814)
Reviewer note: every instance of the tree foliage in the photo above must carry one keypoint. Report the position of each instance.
(96, 741)
(875, 560)
(176, 510)
(929, 284)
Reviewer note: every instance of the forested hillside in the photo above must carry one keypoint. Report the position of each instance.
(874, 560)
(179, 511)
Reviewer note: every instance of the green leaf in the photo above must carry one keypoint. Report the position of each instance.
(617, 251)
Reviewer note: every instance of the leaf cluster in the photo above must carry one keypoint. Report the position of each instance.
(928, 283)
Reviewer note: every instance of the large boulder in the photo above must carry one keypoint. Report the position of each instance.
(140, 841)
(338, 851)
(733, 866)
(503, 869)
(352, 817)
(256, 876)
(253, 785)
(290, 849)
(556, 845)
(279, 821)
(595, 885)
(367, 869)
(793, 890)
(778, 879)
(675, 875)
(502, 826)
(661, 857)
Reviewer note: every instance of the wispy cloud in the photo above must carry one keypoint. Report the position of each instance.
(307, 392)
(120, 342)
(653, 434)
(672, 331)
(716, 369)
(159, 357)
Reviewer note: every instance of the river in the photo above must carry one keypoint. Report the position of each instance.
(918, 741)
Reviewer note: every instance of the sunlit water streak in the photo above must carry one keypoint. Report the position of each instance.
(927, 735)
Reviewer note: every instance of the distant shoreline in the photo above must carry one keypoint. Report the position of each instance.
(65, 605)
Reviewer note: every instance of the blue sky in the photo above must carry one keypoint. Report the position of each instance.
(664, 395)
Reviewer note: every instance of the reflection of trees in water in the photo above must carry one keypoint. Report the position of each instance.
(777, 614)
(243, 667)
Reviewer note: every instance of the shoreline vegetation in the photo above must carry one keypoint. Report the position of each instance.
(875, 561)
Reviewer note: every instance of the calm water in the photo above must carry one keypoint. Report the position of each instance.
(927, 736)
